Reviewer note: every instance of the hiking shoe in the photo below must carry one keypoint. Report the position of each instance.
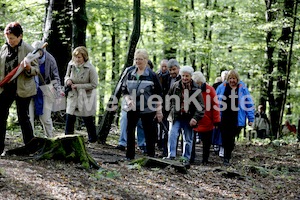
(169, 158)
(204, 162)
(121, 147)
(226, 162)
(143, 149)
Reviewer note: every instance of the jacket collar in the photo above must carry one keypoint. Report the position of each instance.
(146, 72)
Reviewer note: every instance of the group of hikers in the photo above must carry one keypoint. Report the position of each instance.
(36, 68)
(177, 101)
(158, 106)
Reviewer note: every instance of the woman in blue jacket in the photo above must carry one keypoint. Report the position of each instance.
(236, 105)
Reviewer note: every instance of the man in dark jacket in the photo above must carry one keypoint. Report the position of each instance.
(167, 81)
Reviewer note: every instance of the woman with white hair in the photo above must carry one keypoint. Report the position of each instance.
(211, 117)
(186, 109)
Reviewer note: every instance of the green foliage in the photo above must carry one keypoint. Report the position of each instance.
(285, 140)
(103, 173)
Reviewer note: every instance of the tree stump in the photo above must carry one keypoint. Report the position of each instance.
(68, 148)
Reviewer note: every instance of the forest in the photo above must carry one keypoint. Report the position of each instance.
(260, 39)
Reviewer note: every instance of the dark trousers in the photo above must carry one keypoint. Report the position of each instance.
(163, 136)
(206, 138)
(7, 97)
(89, 124)
(149, 126)
(228, 140)
(261, 133)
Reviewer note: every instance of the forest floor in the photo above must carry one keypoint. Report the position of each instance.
(258, 171)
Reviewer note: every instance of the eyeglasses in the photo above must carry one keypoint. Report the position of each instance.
(139, 59)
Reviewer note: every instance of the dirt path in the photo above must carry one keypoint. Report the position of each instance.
(257, 172)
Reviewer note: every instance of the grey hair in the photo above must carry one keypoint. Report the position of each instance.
(186, 69)
(37, 44)
(173, 62)
(198, 77)
(224, 75)
(164, 61)
(218, 79)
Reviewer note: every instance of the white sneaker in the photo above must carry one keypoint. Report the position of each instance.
(221, 152)
(216, 148)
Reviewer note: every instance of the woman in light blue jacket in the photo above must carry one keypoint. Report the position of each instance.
(236, 105)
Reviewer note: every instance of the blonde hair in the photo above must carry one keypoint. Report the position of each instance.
(233, 73)
(142, 52)
(81, 50)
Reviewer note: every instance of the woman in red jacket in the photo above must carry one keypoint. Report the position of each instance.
(211, 116)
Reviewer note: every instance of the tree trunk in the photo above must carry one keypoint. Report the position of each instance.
(290, 14)
(268, 91)
(108, 117)
(193, 50)
(169, 49)
(58, 32)
(284, 42)
(79, 23)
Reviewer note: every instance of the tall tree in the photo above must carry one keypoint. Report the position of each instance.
(58, 32)
(79, 23)
(283, 62)
(289, 67)
(107, 119)
(270, 44)
(276, 97)
(170, 47)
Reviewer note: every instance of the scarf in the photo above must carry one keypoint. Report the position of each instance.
(187, 86)
(42, 58)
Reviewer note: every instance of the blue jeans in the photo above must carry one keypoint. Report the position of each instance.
(188, 135)
(123, 134)
(123, 126)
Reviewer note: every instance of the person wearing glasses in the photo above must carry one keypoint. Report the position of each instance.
(143, 95)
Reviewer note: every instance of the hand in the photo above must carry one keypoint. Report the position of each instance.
(26, 65)
(159, 116)
(250, 123)
(217, 124)
(73, 86)
(130, 104)
(69, 82)
(193, 122)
